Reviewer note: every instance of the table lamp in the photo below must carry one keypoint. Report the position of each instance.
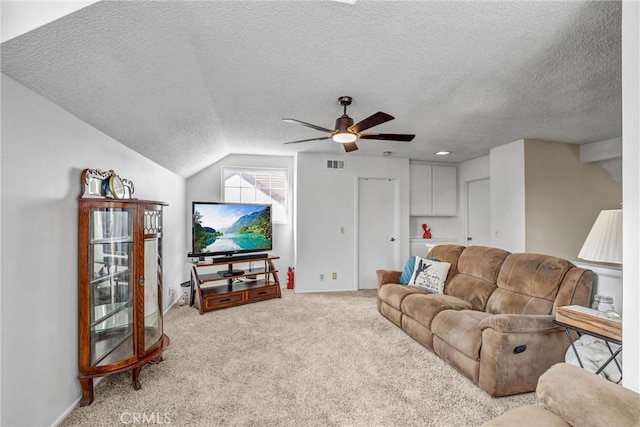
(604, 242)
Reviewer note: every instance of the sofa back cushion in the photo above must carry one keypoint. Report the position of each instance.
(528, 284)
(576, 288)
(478, 268)
(450, 254)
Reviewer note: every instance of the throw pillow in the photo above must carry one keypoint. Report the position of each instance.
(407, 271)
(430, 275)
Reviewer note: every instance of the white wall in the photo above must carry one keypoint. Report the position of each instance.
(607, 281)
(631, 193)
(563, 197)
(471, 170)
(206, 186)
(326, 201)
(44, 150)
(507, 197)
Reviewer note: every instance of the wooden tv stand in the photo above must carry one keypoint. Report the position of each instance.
(229, 282)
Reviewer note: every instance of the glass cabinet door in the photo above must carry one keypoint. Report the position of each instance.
(111, 285)
(119, 287)
(152, 277)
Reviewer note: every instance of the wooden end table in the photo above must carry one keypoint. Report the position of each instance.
(586, 321)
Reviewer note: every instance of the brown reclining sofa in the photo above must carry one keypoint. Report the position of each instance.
(493, 323)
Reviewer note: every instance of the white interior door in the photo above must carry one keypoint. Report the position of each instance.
(478, 213)
(378, 228)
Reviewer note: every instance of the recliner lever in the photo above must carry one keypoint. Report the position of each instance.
(519, 349)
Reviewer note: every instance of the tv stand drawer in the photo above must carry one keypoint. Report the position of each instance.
(262, 293)
(212, 302)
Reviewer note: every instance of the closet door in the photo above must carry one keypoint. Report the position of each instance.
(378, 232)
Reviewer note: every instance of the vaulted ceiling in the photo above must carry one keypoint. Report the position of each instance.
(186, 83)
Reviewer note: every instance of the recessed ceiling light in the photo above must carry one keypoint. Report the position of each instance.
(443, 153)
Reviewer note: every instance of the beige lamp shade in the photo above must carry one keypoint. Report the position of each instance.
(604, 242)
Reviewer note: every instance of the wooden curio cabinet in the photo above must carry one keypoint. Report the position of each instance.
(119, 288)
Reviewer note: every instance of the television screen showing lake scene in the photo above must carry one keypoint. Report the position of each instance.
(231, 228)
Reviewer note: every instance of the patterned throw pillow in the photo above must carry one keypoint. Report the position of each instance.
(430, 275)
(407, 271)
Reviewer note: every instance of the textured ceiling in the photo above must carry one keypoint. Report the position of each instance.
(186, 83)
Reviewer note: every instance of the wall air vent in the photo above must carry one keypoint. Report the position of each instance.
(335, 164)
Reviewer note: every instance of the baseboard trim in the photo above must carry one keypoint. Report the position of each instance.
(73, 406)
(66, 413)
(96, 381)
(320, 291)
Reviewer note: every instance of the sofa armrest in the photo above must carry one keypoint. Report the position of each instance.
(388, 276)
(582, 398)
(516, 350)
(514, 323)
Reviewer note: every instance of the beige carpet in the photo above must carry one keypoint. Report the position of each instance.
(304, 360)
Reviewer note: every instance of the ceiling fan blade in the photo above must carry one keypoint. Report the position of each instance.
(350, 146)
(307, 140)
(388, 136)
(371, 121)
(309, 125)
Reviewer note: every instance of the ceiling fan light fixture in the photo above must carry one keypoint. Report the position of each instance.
(347, 133)
(345, 137)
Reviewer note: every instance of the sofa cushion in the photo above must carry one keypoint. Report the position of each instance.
(534, 416)
(423, 307)
(394, 293)
(482, 262)
(471, 289)
(430, 275)
(575, 288)
(478, 268)
(450, 254)
(459, 329)
(584, 399)
(528, 284)
(391, 313)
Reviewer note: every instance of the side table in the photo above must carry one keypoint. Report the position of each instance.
(586, 321)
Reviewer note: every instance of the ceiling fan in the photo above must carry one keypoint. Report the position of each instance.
(347, 133)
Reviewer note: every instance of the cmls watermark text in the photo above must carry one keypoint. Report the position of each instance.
(142, 418)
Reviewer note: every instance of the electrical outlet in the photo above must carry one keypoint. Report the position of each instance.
(321, 276)
(334, 275)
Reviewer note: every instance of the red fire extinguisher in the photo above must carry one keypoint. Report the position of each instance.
(290, 278)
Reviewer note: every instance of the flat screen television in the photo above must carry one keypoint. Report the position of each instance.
(224, 229)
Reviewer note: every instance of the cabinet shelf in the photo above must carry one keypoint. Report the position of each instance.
(249, 272)
(235, 286)
(110, 276)
(107, 311)
(107, 240)
(115, 352)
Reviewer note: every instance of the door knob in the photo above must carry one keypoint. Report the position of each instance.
(469, 239)
(393, 239)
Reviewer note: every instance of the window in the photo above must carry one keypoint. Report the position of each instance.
(253, 185)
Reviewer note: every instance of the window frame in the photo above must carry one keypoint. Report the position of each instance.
(248, 169)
